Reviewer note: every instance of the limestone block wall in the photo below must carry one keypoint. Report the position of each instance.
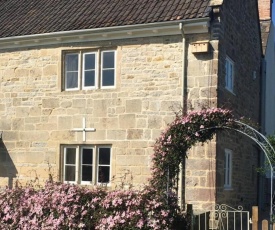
(37, 117)
(200, 166)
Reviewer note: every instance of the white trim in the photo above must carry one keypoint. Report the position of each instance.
(199, 25)
(101, 70)
(64, 154)
(81, 163)
(98, 69)
(229, 61)
(228, 169)
(97, 164)
(78, 73)
(78, 163)
(83, 70)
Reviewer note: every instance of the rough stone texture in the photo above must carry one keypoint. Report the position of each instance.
(239, 36)
(232, 34)
(37, 116)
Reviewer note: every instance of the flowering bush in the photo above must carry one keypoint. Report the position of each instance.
(65, 206)
(171, 147)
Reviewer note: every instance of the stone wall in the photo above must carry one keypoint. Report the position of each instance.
(200, 166)
(37, 116)
(234, 32)
(239, 39)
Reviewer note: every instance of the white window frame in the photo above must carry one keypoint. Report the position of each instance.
(64, 165)
(81, 70)
(79, 163)
(65, 73)
(101, 69)
(229, 74)
(228, 168)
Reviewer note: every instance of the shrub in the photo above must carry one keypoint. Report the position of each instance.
(66, 206)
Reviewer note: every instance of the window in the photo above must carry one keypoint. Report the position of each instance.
(86, 164)
(229, 74)
(228, 168)
(89, 70)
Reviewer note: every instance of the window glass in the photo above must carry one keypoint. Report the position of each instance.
(91, 73)
(108, 68)
(89, 78)
(89, 69)
(71, 71)
(108, 59)
(71, 80)
(87, 164)
(70, 164)
(108, 78)
(229, 74)
(70, 155)
(103, 174)
(69, 173)
(71, 62)
(87, 156)
(104, 156)
(228, 168)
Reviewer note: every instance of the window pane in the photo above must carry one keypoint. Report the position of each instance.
(89, 61)
(71, 62)
(87, 156)
(108, 77)
(71, 80)
(69, 173)
(87, 173)
(103, 174)
(108, 59)
(104, 156)
(70, 156)
(89, 78)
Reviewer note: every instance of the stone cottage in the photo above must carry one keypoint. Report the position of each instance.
(87, 87)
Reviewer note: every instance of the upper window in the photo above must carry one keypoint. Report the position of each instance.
(229, 74)
(86, 164)
(227, 168)
(89, 70)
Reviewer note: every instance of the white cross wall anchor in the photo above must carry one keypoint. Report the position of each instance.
(84, 129)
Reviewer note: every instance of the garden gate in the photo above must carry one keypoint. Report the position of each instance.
(221, 217)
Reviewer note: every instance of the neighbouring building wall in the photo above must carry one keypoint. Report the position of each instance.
(269, 84)
(240, 60)
(37, 116)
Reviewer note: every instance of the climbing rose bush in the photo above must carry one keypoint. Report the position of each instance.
(171, 147)
(65, 206)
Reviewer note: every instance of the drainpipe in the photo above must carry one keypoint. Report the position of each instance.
(181, 193)
(184, 72)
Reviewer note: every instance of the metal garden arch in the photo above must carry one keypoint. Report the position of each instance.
(265, 146)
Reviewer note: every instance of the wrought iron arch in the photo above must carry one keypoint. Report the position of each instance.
(265, 146)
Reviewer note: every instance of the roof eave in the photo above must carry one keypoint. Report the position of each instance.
(190, 26)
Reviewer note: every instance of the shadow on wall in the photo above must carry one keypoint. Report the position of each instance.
(7, 168)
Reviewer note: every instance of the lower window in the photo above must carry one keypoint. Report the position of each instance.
(86, 164)
(228, 169)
